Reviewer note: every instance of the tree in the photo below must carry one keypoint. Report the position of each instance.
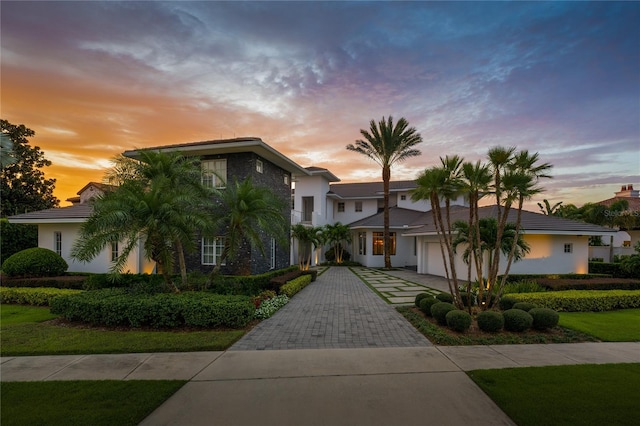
(15, 237)
(549, 210)
(309, 238)
(336, 235)
(244, 214)
(162, 205)
(24, 187)
(387, 145)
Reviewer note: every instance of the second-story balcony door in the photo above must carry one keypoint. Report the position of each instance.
(307, 209)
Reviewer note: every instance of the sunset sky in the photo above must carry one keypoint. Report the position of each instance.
(94, 79)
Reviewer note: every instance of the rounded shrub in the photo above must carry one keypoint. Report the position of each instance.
(490, 321)
(444, 297)
(419, 297)
(458, 320)
(517, 320)
(544, 318)
(524, 306)
(426, 303)
(439, 311)
(35, 262)
(507, 302)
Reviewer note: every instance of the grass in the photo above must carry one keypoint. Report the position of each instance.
(96, 403)
(22, 334)
(444, 336)
(565, 395)
(610, 326)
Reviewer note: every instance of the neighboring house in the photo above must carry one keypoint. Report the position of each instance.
(58, 229)
(622, 242)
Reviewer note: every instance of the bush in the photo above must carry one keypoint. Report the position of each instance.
(517, 320)
(614, 270)
(152, 282)
(248, 285)
(444, 297)
(271, 306)
(544, 318)
(523, 306)
(466, 298)
(524, 286)
(419, 297)
(583, 300)
(294, 286)
(35, 262)
(490, 321)
(506, 302)
(426, 304)
(38, 296)
(330, 255)
(439, 311)
(457, 320)
(15, 237)
(118, 307)
(67, 281)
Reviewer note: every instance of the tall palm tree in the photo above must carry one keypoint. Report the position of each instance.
(162, 205)
(245, 214)
(387, 144)
(337, 235)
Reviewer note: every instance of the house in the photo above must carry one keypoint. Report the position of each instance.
(622, 242)
(58, 229)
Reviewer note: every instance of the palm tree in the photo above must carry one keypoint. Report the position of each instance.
(245, 214)
(387, 144)
(548, 210)
(162, 206)
(336, 235)
(308, 237)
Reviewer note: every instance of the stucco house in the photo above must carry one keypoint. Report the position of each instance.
(623, 241)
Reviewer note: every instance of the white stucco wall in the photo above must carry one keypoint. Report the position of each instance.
(405, 254)
(100, 264)
(369, 208)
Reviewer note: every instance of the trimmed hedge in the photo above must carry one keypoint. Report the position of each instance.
(247, 285)
(524, 306)
(35, 296)
(439, 311)
(517, 320)
(544, 318)
(591, 284)
(426, 303)
(506, 302)
(459, 321)
(76, 282)
(512, 278)
(611, 269)
(419, 297)
(117, 307)
(490, 321)
(583, 300)
(294, 286)
(35, 262)
(445, 297)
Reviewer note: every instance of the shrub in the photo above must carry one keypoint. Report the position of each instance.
(612, 269)
(457, 320)
(66, 281)
(118, 307)
(583, 300)
(439, 311)
(506, 302)
(544, 318)
(330, 255)
(38, 296)
(466, 298)
(524, 306)
(524, 286)
(517, 320)
(419, 297)
(271, 306)
(490, 321)
(35, 262)
(444, 297)
(15, 237)
(151, 282)
(294, 286)
(426, 304)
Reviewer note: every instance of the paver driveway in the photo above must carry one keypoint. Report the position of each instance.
(336, 311)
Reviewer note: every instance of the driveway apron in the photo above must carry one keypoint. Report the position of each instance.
(336, 311)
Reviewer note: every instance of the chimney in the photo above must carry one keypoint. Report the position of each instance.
(630, 187)
(624, 188)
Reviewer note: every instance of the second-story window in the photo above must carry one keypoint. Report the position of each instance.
(214, 173)
(341, 207)
(259, 166)
(403, 198)
(358, 206)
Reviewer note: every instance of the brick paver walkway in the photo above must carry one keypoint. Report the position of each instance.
(336, 311)
(396, 290)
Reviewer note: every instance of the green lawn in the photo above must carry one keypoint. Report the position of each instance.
(22, 334)
(610, 326)
(565, 395)
(105, 402)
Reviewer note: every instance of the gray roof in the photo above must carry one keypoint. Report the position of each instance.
(398, 218)
(369, 189)
(532, 223)
(72, 214)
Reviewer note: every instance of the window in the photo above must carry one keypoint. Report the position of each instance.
(568, 248)
(362, 243)
(214, 173)
(358, 206)
(259, 166)
(378, 243)
(286, 179)
(340, 207)
(273, 254)
(403, 197)
(114, 251)
(212, 250)
(307, 209)
(57, 242)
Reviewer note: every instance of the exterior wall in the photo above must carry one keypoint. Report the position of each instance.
(100, 264)
(369, 208)
(547, 256)
(316, 187)
(422, 205)
(405, 251)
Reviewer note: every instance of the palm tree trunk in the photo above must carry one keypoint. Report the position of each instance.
(181, 262)
(386, 177)
(512, 251)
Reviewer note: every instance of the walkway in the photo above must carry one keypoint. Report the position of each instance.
(337, 311)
